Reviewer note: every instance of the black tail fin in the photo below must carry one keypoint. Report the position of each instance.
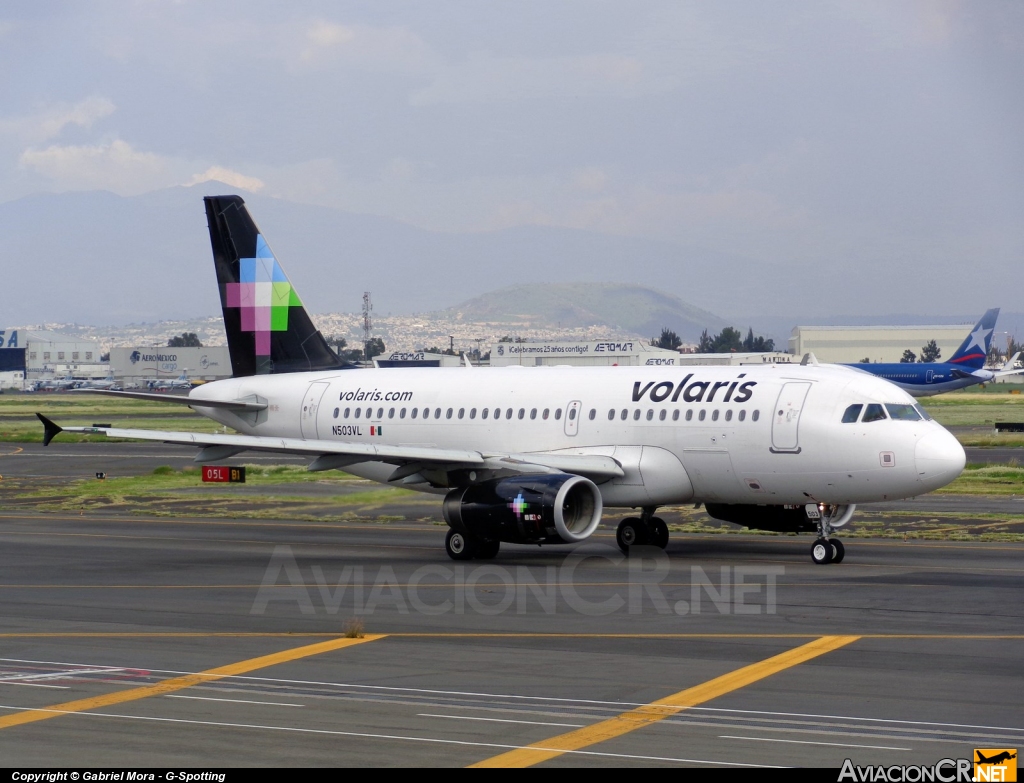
(267, 327)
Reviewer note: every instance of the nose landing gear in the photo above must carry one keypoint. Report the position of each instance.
(825, 549)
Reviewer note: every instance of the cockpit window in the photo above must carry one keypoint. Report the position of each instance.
(923, 412)
(851, 413)
(874, 412)
(902, 412)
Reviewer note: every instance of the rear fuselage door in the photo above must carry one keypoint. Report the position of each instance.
(572, 417)
(310, 405)
(786, 424)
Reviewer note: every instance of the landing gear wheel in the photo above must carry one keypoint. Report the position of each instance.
(659, 532)
(821, 551)
(838, 550)
(631, 532)
(487, 550)
(458, 546)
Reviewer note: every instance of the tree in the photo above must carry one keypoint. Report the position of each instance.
(866, 360)
(375, 347)
(727, 340)
(185, 340)
(757, 344)
(909, 357)
(668, 339)
(930, 352)
(706, 344)
(105, 357)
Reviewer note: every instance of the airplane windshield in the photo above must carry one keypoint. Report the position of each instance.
(874, 412)
(852, 414)
(903, 412)
(923, 412)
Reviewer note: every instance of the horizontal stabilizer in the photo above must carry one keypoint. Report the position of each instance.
(180, 399)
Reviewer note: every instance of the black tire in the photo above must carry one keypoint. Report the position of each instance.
(631, 532)
(487, 550)
(838, 550)
(458, 546)
(821, 551)
(659, 532)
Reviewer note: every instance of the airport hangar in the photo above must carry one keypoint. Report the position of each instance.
(140, 365)
(853, 344)
(29, 355)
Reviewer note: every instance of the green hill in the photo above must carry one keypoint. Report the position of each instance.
(630, 308)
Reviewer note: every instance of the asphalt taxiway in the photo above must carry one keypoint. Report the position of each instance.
(221, 642)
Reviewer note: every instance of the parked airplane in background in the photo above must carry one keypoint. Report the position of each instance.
(171, 384)
(965, 368)
(533, 455)
(99, 383)
(56, 384)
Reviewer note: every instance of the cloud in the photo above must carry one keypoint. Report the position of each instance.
(385, 49)
(228, 177)
(49, 123)
(116, 166)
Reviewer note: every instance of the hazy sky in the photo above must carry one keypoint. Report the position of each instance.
(879, 132)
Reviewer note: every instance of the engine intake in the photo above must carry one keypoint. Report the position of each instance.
(542, 509)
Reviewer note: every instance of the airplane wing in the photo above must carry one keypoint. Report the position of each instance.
(411, 461)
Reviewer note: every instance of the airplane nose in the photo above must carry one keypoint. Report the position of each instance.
(940, 458)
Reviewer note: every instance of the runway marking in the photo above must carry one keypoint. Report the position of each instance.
(808, 742)
(233, 701)
(38, 685)
(366, 735)
(485, 635)
(665, 707)
(58, 675)
(497, 720)
(179, 683)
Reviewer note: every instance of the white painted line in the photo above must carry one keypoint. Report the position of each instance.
(499, 720)
(365, 735)
(808, 742)
(37, 685)
(56, 675)
(235, 701)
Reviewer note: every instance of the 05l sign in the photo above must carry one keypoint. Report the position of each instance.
(223, 474)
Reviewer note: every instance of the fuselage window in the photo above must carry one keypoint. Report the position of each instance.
(624, 415)
(522, 412)
(347, 412)
(572, 415)
(401, 413)
(508, 414)
(415, 412)
(558, 414)
(755, 415)
(902, 412)
(533, 413)
(689, 415)
(851, 414)
(611, 414)
(636, 415)
(675, 415)
(336, 412)
(437, 413)
(462, 412)
(448, 413)
(391, 413)
(483, 414)
(714, 415)
(380, 413)
(702, 414)
(663, 414)
(544, 415)
(874, 412)
(743, 415)
(593, 414)
(650, 415)
(472, 413)
(728, 415)
(355, 413)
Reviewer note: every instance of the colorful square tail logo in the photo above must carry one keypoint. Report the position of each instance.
(995, 764)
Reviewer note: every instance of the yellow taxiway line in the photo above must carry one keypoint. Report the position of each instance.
(664, 708)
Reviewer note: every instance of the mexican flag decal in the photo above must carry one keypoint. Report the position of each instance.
(374, 431)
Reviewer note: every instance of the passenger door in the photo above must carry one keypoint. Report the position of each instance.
(786, 423)
(310, 405)
(572, 417)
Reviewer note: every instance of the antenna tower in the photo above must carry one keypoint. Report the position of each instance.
(367, 319)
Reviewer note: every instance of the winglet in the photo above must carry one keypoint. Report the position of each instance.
(809, 359)
(1011, 361)
(51, 430)
(465, 361)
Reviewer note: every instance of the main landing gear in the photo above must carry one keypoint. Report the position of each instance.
(827, 550)
(645, 530)
(461, 547)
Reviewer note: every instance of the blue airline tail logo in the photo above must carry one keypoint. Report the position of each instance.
(974, 349)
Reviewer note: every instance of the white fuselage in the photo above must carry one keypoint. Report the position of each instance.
(759, 435)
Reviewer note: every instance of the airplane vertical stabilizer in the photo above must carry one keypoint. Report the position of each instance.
(974, 349)
(267, 327)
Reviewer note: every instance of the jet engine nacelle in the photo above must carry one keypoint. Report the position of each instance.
(779, 519)
(537, 509)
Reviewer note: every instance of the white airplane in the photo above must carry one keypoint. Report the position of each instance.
(99, 383)
(171, 384)
(534, 455)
